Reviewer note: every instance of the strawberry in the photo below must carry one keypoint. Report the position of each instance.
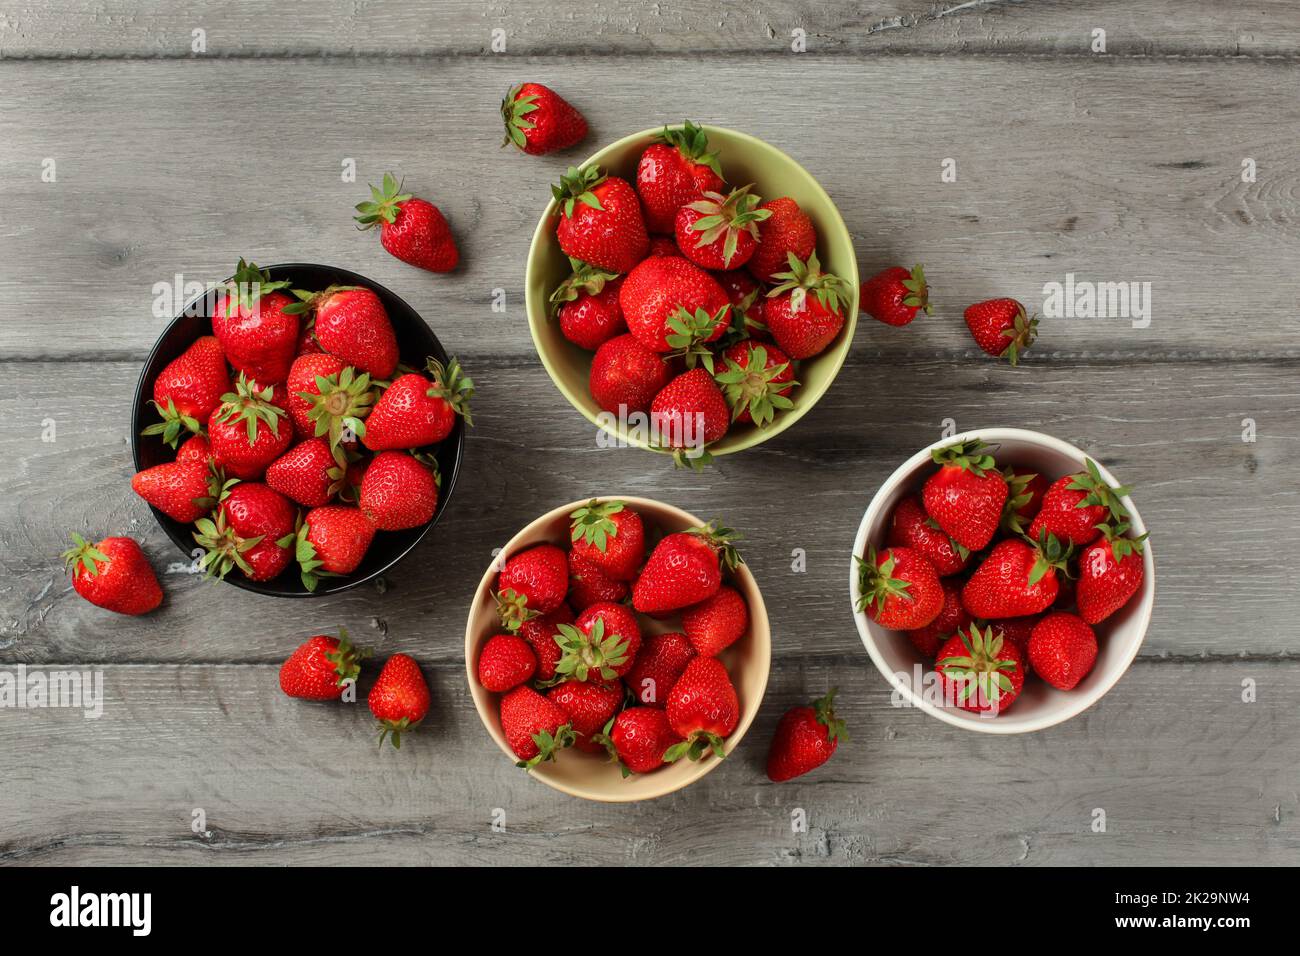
(744, 291)
(1062, 650)
(717, 622)
(308, 473)
(588, 308)
(539, 121)
(1018, 578)
(189, 388)
(534, 727)
(245, 432)
(600, 220)
(113, 574)
(952, 618)
(540, 632)
(638, 738)
(182, 490)
(756, 381)
(787, 232)
(589, 585)
(1110, 573)
(805, 739)
(1001, 328)
(195, 448)
(351, 323)
(415, 411)
(321, 668)
(805, 310)
(589, 706)
(331, 540)
(965, 496)
(662, 659)
(702, 709)
(626, 375)
(673, 171)
(506, 661)
(720, 232)
(534, 581)
(1016, 630)
(302, 392)
(252, 530)
(1025, 490)
(896, 295)
(900, 589)
(307, 344)
(601, 644)
(329, 400)
(980, 671)
(689, 413)
(663, 246)
(671, 304)
(684, 569)
(400, 490)
(911, 527)
(1075, 506)
(399, 700)
(410, 229)
(257, 335)
(610, 535)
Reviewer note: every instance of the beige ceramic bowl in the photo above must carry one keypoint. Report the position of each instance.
(588, 775)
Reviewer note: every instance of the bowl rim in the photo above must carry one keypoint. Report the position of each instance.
(1077, 703)
(536, 312)
(144, 393)
(483, 698)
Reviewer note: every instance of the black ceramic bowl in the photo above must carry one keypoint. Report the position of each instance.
(415, 342)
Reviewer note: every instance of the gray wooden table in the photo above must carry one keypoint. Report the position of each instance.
(1128, 165)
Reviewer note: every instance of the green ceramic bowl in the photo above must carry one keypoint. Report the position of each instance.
(744, 160)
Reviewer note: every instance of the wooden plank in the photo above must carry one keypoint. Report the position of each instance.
(1172, 430)
(160, 28)
(283, 782)
(1114, 171)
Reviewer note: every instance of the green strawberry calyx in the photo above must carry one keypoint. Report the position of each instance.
(692, 142)
(688, 335)
(384, 204)
(587, 654)
(752, 387)
(691, 459)
(86, 554)
(969, 455)
(513, 609)
(341, 402)
(514, 112)
(246, 287)
(1018, 495)
(603, 739)
(393, 730)
(877, 583)
(697, 745)
(918, 290)
(722, 540)
(311, 302)
(1122, 546)
(1022, 332)
(593, 523)
(1049, 555)
(824, 709)
(982, 668)
(1100, 492)
(304, 552)
(585, 279)
(726, 217)
(802, 278)
(223, 547)
(346, 658)
(452, 385)
(549, 745)
(576, 186)
(172, 423)
(251, 405)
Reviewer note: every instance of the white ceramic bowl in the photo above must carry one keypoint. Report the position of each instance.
(1039, 705)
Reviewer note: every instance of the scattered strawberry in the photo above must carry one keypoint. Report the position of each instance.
(805, 310)
(896, 295)
(690, 412)
(589, 706)
(684, 569)
(638, 738)
(189, 388)
(539, 121)
(258, 336)
(965, 496)
(1110, 573)
(182, 490)
(400, 490)
(308, 473)
(912, 528)
(534, 727)
(660, 663)
(534, 581)
(351, 323)
(1062, 650)
(1001, 328)
(805, 739)
(589, 585)
(720, 232)
(600, 220)
(1075, 506)
(1018, 578)
(702, 709)
(506, 661)
(588, 308)
(672, 305)
(980, 671)
(411, 229)
(787, 232)
(330, 541)
(252, 530)
(756, 381)
(245, 433)
(610, 535)
(717, 622)
(321, 668)
(415, 411)
(602, 644)
(899, 589)
(625, 374)
(676, 170)
(400, 698)
(113, 574)
(952, 618)
(541, 632)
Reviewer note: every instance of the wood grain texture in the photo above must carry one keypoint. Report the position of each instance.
(1185, 772)
(1132, 173)
(311, 28)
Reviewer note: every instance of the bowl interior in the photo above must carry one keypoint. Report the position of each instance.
(1039, 705)
(744, 160)
(588, 775)
(415, 342)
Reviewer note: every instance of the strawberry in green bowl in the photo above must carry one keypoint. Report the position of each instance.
(691, 290)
